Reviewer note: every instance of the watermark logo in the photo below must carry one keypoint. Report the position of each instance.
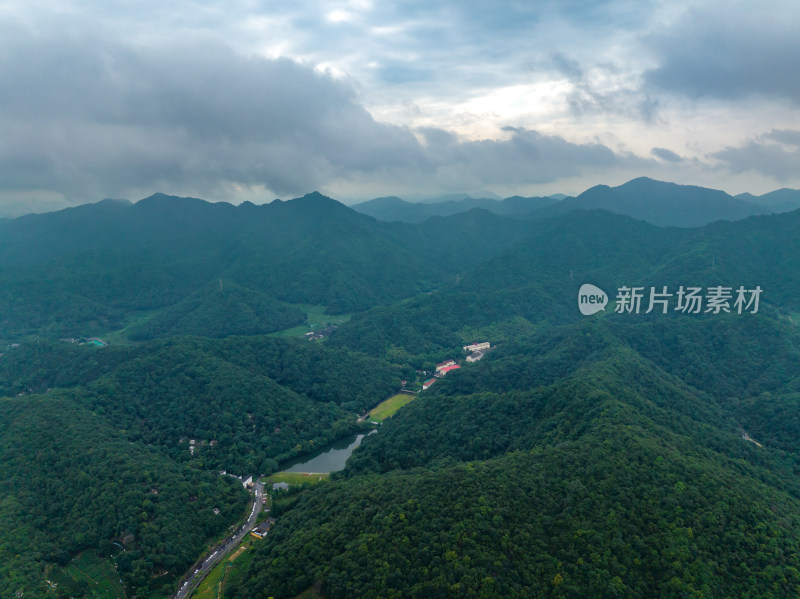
(686, 300)
(591, 299)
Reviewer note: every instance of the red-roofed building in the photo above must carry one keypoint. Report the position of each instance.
(427, 384)
(446, 369)
(444, 364)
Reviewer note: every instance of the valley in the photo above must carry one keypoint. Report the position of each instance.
(578, 455)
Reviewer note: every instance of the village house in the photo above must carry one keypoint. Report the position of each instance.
(475, 347)
(262, 529)
(446, 369)
(444, 364)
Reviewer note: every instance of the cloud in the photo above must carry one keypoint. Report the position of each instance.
(601, 89)
(103, 117)
(527, 157)
(775, 155)
(666, 154)
(784, 136)
(106, 118)
(239, 99)
(728, 50)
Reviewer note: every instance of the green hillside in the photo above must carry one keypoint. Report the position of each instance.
(612, 455)
(219, 310)
(96, 268)
(73, 482)
(599, 474)
(538, 278)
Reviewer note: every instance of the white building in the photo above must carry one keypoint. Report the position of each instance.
(477, 346)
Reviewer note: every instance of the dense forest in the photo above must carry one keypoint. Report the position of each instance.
(538, 278)
(568, 466)
(96, 443)
(73, 482)
(617, 455)
(215, 269)
(258, 399)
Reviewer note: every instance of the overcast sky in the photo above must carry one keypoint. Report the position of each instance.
(247, 99)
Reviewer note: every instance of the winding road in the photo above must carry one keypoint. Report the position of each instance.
(201, 570)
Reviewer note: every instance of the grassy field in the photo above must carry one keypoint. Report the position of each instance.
(316, 318)
(213, 587)
(98, 573)
(295, 478)
(388, 407)
(120, 337)
(210, 587)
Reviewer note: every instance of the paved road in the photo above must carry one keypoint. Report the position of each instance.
(221, 550)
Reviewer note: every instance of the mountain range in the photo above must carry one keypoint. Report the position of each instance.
(656, 202)
(93, 268)
(622, 454)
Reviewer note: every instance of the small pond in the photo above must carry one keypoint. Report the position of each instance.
(330, 458)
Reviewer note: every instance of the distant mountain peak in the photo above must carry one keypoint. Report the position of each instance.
(315, 199)
(663, 203)
(315, 195)
(158, 199)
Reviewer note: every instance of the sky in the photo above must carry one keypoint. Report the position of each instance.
(253, 100)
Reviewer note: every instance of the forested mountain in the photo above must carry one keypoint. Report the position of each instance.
(99, 267)
(393, 208)
(123, 444)
(538, 278)
(258, 399)
(95, 268)
(72, 482)
(656, 202)
(659, 203)
(614, 455)
(568, 464)
(780, 200)
(218, 310)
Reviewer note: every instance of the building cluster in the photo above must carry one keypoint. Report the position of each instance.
(444, 367)
(321, 333)
(476, 352)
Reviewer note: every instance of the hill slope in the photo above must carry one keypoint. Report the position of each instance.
(393, 208)
(659, 203)
(600, 474)
(95, 268)
(538, 278)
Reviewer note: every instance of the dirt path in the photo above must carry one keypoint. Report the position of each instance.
(747, 437)
(238, 552)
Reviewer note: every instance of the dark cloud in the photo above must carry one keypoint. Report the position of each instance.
(93, 118)
(527, 157)
(784, 136)
(730, 53)
(766, 158)
(587, 98)
(102, 117)
(666, 154)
